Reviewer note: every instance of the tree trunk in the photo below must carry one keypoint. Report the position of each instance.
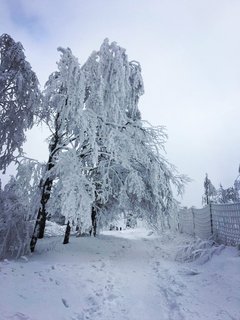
(67, 234)
(94, 221)
(40, 224)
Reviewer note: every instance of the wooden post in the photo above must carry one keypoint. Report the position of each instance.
(211, 218)
(193, 221)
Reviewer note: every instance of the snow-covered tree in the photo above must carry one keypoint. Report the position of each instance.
(229, 195)
(210, 192)
(221, 195)
(237, 184)
(17, 205)
(130, 169)
(19, 99)
(102, 155)
(63, 109)
(72, 191)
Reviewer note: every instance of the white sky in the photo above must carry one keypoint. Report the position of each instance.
(190, 56)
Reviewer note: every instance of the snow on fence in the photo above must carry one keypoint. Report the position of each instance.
(202, 222)
(226, 223)
(222, 221)
(186, 221)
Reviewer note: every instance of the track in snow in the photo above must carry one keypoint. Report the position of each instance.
(128, 275)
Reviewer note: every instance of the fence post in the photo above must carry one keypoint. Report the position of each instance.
(211, 218)
(193, 221)
(178, 221)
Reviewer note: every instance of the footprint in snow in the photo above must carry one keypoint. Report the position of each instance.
(150, 233)
(111, 297)
(93, 307)
(79, 316)
(92, 301)
(98, 294)
(20, 316)
(65, 303)
(188, 272)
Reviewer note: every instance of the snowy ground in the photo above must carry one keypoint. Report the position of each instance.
(120, 275)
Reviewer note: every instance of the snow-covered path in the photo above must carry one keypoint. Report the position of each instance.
(127, 275)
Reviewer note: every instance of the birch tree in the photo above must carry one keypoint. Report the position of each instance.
(63, 110)
(130, 169)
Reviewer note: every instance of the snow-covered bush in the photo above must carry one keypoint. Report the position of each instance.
(198, 249)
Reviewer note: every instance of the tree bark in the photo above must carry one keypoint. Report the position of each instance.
(94, 221)
(67, 233)
(40, 224)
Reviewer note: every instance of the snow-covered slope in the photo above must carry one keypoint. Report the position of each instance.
(120, 275)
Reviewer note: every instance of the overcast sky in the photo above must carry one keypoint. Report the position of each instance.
(190, 57)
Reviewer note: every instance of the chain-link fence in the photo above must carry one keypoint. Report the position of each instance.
(222, 221)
